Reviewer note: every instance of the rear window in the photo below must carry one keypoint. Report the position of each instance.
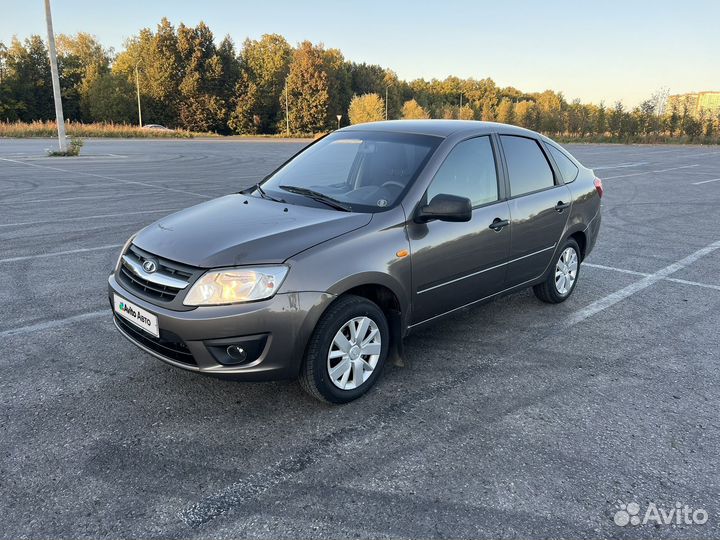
(568, 169)
(528, 167)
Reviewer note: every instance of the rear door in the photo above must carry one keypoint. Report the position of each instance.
(454, 264)
(539, 208)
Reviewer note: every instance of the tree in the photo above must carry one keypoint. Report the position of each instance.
(307, 89)
(264, 66)
(412, 110)
(600, 120)
(488, 114)
(366, 108)
(615, 121)
(27, 81)
(159, 64)
(466, 112)
(110, 98)
(81, 59)
(339, 85)
(506, 112)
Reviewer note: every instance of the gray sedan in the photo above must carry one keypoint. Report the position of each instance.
(366, 235)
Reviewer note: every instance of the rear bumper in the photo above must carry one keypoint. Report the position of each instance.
(273, 332)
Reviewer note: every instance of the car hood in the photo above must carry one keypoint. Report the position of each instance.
(237, 229)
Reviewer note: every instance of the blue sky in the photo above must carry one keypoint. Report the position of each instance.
(591, 50)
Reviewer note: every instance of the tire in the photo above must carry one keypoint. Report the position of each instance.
(326, 351)
(558, 288)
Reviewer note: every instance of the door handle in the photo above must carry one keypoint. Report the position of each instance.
(498, 224)
(560, 206)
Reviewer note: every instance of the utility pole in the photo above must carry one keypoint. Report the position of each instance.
(461, 100)
(287, 110)
(386, 97)
(59, 118)
(137, 86)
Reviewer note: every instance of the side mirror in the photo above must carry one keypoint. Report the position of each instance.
(445, 207)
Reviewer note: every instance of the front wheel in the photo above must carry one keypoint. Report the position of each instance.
(563, 275)
(347, 351)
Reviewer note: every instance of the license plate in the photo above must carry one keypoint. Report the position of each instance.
(141, 318)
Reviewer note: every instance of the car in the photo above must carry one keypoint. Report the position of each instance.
(368, 234)
(156, 126)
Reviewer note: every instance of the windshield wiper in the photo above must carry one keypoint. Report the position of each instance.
(266, 196)
(317, 196)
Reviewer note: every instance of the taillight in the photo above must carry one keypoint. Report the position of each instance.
(598, 187)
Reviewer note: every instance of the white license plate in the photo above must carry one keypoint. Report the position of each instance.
(138, 316)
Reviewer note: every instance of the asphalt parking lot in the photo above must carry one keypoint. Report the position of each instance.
(513, 419)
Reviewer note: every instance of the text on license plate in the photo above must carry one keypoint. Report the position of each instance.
(136, 315)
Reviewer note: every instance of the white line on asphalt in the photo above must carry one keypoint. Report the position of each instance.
(649, 172)
(158, 211)
(52, 324)
(706, 181)
(622, 270)
(620, 166)
(58, 253)
(70, 199)
(613, 298)
(107, 178)
(695, 283)
(634, 273)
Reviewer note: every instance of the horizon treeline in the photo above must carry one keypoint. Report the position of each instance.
(266, 86)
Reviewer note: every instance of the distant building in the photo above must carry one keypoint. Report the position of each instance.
(709, 102)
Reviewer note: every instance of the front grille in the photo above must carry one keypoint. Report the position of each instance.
(150, 289)
(168, 344)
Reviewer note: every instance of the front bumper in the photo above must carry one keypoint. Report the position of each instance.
(274, 332)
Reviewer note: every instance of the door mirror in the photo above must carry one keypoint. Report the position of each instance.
(445, 207)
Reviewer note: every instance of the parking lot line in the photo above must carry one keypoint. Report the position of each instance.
(59, 253)
(620, 166)
(52, 324)
(650, 172)
(53, 200)
(158, 211)
(121, 180)
(706, 181)
(634, 273)
(613, 298)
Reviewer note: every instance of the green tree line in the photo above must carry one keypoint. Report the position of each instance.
(188, 80)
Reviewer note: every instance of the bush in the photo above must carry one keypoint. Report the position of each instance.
(73, 149)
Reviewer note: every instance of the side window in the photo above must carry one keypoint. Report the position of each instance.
(567, 168)
(468, 171)
(528, 167)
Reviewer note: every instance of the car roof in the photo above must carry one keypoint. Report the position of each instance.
(440, 128)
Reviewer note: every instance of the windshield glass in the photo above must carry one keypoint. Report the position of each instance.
(363, 171)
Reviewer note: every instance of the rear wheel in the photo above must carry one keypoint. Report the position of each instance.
(563, 275)
(347, 351)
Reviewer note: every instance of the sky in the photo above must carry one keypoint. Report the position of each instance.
(593, 50)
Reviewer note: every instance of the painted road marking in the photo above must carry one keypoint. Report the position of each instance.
(649, 172)
(613, 298)
(706, 181)
(58, 253)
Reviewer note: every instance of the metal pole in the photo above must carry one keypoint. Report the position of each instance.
(59, 118)
(287, 110)
(137, 86)
(386, 97)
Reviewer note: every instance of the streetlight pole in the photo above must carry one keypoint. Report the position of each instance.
(386, 98)
(137, 87)
(59, 118)
(287, 110)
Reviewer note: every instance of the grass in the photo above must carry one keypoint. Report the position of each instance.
(78, 129)
(72, 150)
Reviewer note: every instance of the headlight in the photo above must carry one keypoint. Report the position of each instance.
(233, 285)
(123, 250)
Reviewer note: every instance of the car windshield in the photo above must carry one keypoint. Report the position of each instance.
(361, 171)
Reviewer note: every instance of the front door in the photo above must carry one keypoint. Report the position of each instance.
(539, 208)
(454, 264)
